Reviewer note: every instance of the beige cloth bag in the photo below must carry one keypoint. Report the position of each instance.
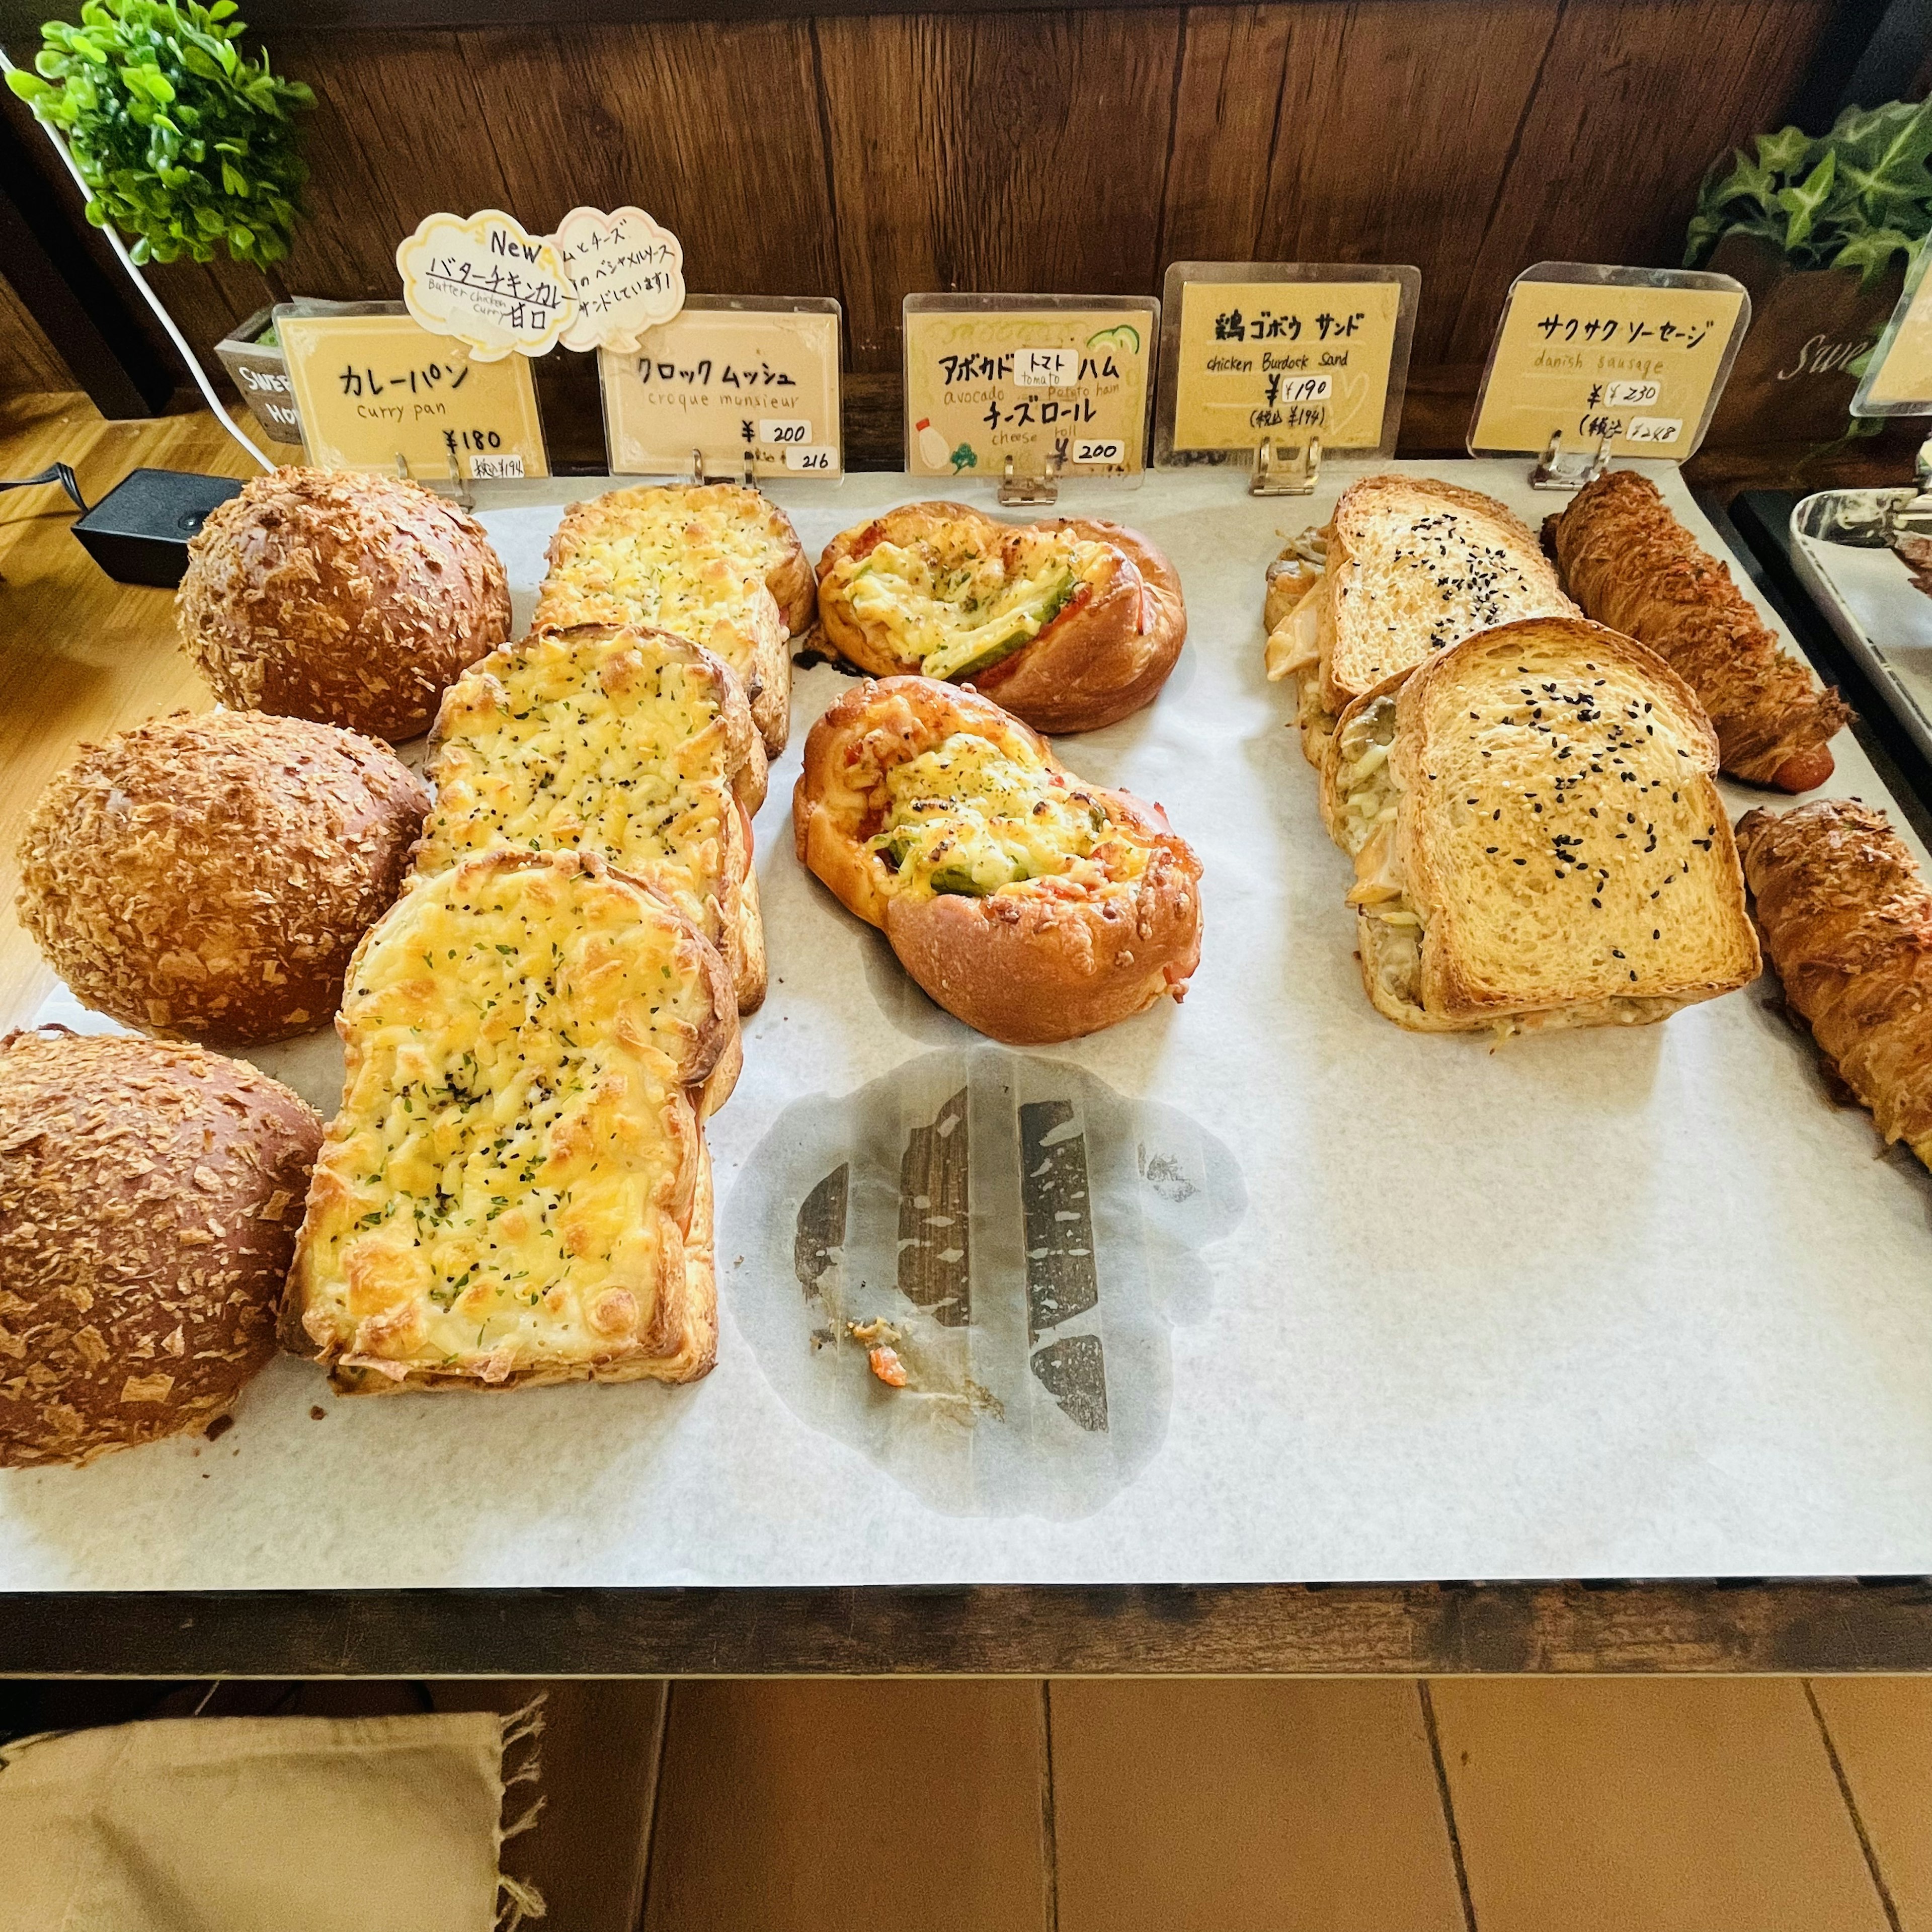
(263, 1825)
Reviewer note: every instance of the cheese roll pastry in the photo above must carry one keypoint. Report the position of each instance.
(517, 1188)
(634, 745)
(1032, 906)
(1069, 624)
(715, 562)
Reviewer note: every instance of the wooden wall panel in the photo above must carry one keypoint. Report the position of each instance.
(867, 157)
(1632, 102)
(402, 128)
(1390, 142)
(713, 127)
(1014, 151)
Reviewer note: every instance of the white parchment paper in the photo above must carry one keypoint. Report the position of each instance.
(1616, 1303)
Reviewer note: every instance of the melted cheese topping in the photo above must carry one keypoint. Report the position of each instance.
(502, 1189)
(689, 561)
(608, 744)
(968, 816)
(958, 606)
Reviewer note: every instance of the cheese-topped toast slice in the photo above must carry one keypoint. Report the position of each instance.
(715, 562)
(516, 1189)
(1413, 566)
(1538, 836)
(634, 745)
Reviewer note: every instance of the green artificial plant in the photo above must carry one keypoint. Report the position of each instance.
(186, 146)
(1852, 198)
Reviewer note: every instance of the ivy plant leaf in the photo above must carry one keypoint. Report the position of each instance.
(1884, 158)
(1786, 152)
(1802, 203)
(1871, 252)
(1746, 182)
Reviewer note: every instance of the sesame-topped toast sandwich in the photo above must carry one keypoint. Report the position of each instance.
(631, 744)
(1538, 835)
(516, 1188)
(1412, 566)
(718, 563)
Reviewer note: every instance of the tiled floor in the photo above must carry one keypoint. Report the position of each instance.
(1496, 1805)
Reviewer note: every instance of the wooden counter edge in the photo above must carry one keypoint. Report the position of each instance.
(1880, 1625)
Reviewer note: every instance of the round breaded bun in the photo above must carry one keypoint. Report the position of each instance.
(208, 877)
(149, 1198)
(348, 598)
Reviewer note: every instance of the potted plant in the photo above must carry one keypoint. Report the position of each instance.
(187, 146)
(1818, 230)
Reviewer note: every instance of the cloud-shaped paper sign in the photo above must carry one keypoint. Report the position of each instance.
(628, 272)
(489, 282)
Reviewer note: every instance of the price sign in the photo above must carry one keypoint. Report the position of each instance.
(1284, 350)
(487, 281)
(731, 376)
(1897, 381)
(1638, 355)
(374, 387)
(1036, 378)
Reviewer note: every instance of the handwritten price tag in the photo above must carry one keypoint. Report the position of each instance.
(488, 282)
(1315, 351)
(731, 377)
(627, 272)
(373, 388)
(991, 377)
(1639, 359)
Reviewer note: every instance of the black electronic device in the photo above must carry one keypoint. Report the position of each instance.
(138, 532)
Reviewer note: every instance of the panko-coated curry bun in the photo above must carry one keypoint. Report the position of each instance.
(1032, 906)
(1069, 624)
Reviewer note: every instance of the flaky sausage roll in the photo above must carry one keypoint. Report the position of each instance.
(1847, 921)
(1631, 565)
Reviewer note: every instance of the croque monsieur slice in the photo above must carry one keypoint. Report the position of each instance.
(633, 745)
(715, 562)
(517, 1188)
(1413, 566)
(1538, 835)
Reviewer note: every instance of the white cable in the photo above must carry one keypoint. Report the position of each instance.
(167, 322)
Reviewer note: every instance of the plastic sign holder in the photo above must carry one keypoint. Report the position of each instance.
(745, 386)
(376, 390)
(1591, 361)
(1267, 364)
(1897, 381)
(1029, 390)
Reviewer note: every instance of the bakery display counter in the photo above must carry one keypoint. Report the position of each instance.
(1229, 1326)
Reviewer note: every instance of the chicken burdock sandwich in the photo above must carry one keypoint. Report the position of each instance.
(1538, 836)
(347, 599)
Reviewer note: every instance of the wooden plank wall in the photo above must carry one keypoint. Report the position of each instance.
(867, 157)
